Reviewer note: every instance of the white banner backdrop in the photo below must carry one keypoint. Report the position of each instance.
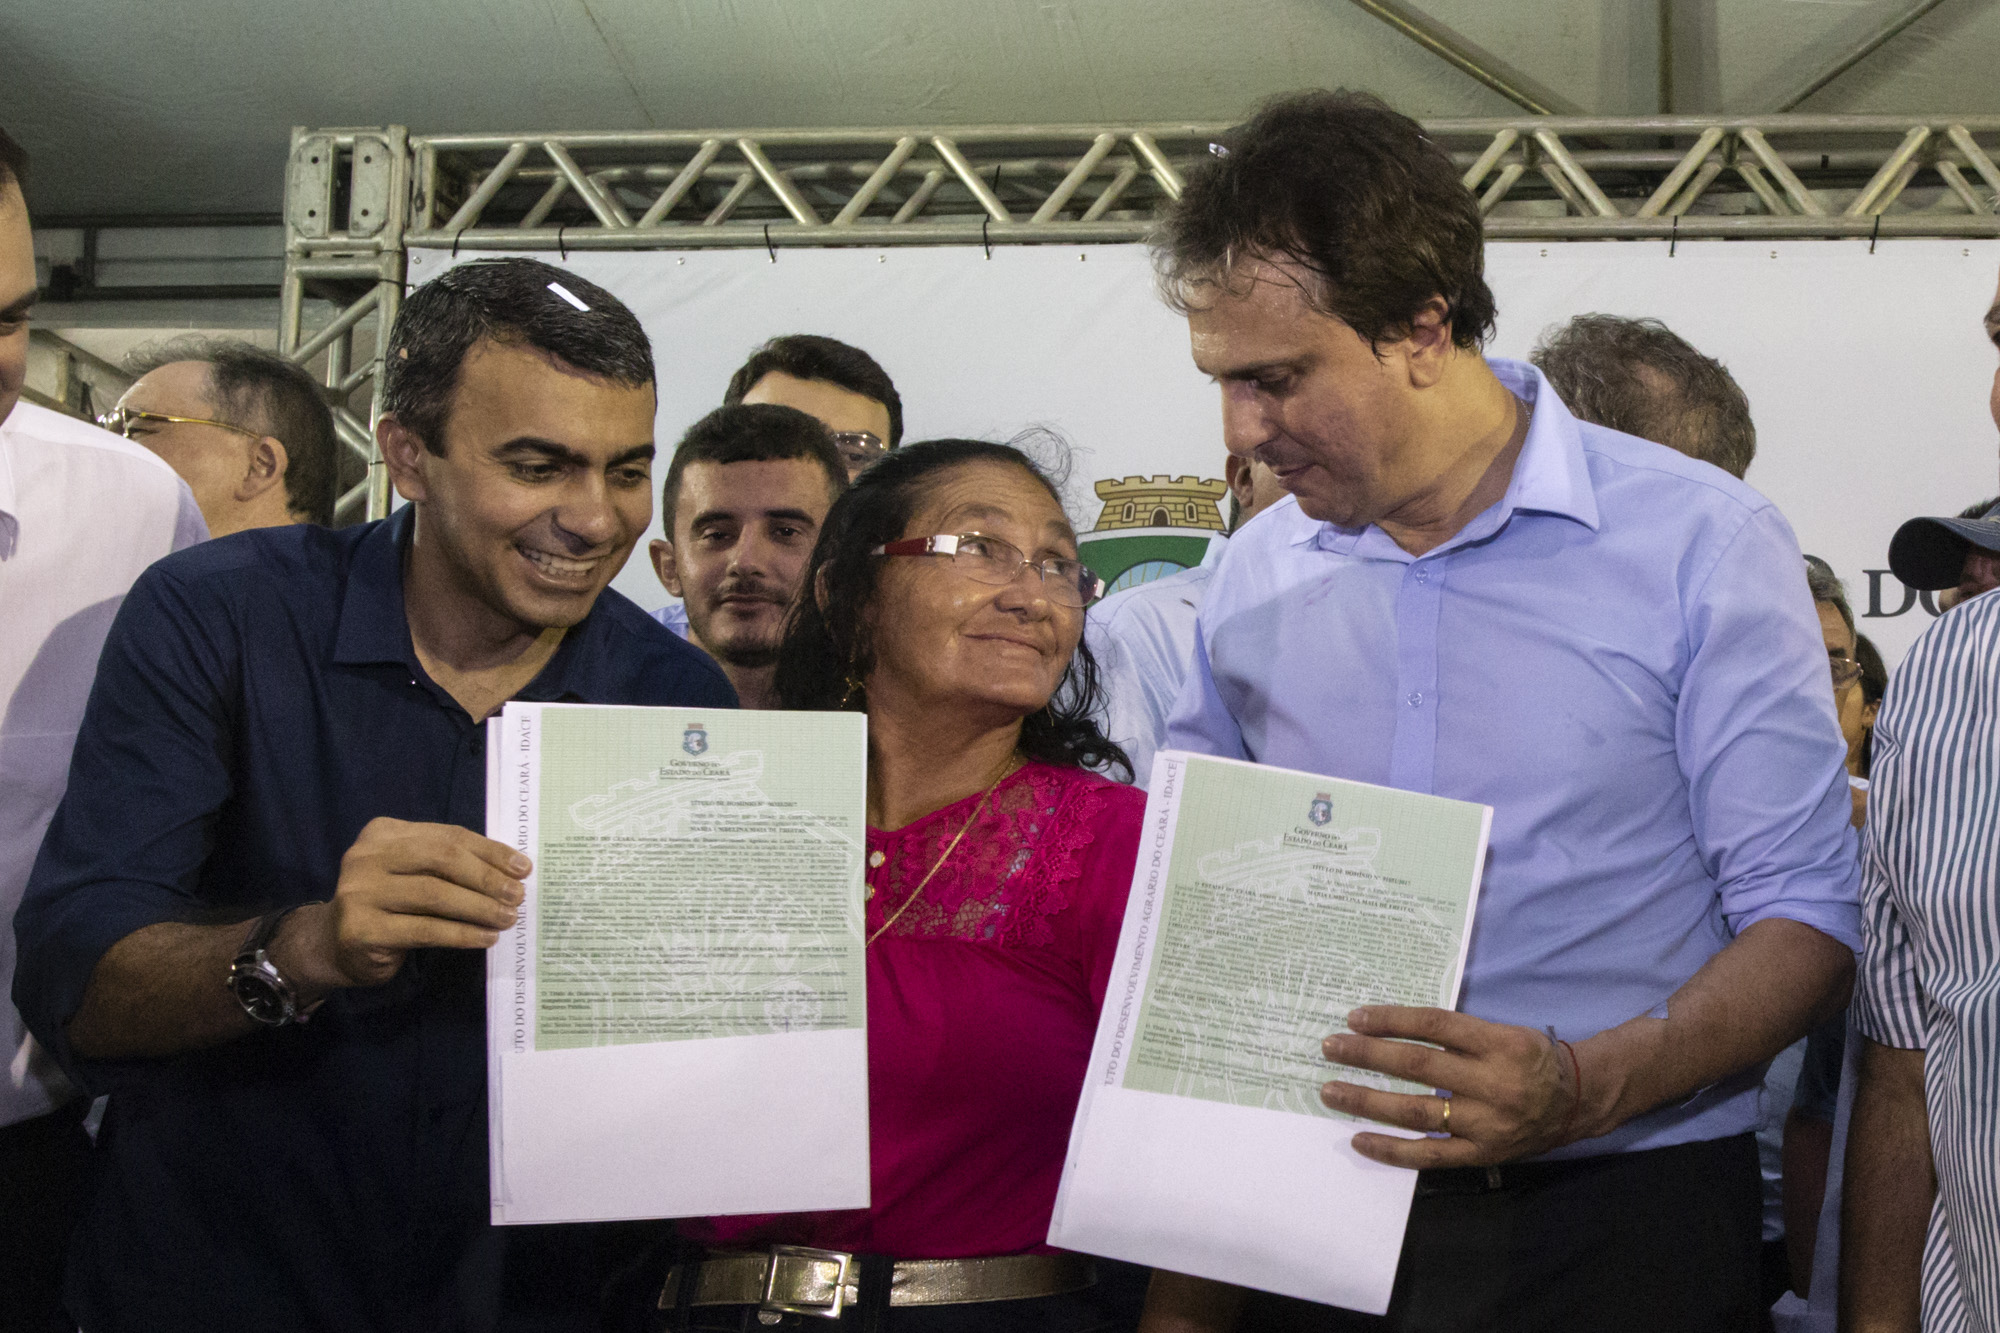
(1867, 372)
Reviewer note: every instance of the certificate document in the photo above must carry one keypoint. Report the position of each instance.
(676, 1024)
(1265, 905)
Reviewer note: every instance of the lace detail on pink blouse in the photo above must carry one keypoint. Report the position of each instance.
(1009, 873)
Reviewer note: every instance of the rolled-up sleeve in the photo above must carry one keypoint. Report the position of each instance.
(149, 772)
(1888, 998)
(1759, 743)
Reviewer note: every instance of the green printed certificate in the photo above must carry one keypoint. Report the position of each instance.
(697, 876)
(679, 1014)
(1289, 900)
(1266, 904)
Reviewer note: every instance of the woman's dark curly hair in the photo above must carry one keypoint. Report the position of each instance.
(826, 642)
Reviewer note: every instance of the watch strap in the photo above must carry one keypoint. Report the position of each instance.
(264, 992)
(264, 932)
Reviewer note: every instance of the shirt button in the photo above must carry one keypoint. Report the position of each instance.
(1423, 575)
(1416, 701)
(876, 859)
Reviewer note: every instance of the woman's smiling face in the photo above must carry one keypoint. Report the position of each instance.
(943, 639)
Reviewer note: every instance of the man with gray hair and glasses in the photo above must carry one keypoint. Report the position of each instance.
(1639, 376)
(248, 430)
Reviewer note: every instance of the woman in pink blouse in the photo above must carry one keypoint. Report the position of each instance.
(950, 606)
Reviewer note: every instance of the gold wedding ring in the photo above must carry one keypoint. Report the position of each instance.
(1444, 1125)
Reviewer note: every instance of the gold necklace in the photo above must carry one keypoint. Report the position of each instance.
(1013, 762)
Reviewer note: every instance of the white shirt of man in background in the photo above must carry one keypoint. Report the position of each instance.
(1144, 637)
(82, 512)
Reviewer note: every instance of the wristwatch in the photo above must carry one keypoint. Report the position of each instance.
(263, 991)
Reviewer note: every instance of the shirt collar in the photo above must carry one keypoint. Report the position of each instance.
(1551, 476)
(375, 629)
(372, 625)
(1213, 555)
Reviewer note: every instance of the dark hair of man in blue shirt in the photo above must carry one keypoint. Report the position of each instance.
(514, 302)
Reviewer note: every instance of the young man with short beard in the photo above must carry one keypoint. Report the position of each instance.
(274, 816)
(742, 506)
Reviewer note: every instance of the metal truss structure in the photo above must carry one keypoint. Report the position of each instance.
(82, 384)
(357, 200)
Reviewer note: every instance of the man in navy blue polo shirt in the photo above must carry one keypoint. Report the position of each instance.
(272, 817)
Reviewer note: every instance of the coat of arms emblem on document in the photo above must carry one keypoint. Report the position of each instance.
(1320, 812)
(695, 742)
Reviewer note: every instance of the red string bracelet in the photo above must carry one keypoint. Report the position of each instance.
(1576, 1072)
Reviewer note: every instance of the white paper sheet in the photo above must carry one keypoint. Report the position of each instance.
(676, 1025)
(1278, 901)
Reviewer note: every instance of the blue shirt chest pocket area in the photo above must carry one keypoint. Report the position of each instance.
(1565, 710)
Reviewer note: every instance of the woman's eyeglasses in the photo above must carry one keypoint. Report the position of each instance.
(1845, 670)
(991, 560)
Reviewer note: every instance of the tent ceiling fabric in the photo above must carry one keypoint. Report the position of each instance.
(186, 107)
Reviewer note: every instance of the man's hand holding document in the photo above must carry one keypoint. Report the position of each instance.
(676, 1024)
(1266, 905)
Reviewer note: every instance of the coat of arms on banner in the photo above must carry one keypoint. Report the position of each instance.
(1320, 812)
(696, 740)
(1151, 527)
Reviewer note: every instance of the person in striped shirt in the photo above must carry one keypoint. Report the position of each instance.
(1920, 1245)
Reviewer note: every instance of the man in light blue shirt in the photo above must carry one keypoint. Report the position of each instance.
(674, 615)
(1471, 593)
(1144, 636)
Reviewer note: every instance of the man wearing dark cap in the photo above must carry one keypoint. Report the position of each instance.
(1959, 557)
(260, 916)
(1920, 1247)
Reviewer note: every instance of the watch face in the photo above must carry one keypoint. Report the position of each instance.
(260, 997)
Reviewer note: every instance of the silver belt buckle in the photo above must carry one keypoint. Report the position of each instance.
(843, 1262)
